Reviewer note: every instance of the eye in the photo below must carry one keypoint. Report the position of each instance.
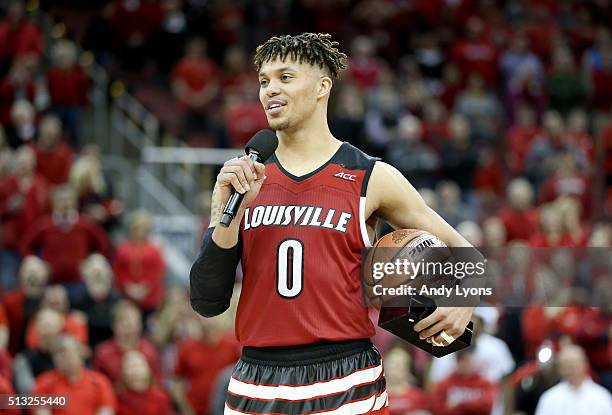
(286, 78)
(263, 82)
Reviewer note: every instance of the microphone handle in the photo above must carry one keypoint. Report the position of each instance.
(235, 200)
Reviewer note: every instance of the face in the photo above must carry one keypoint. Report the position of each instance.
(127, 323)
(67, 359)
(397, 366)
(290, 92)
(50, 131)
(98, 278)
(33, 277)
(572, 363)
(135, 371)
(25, 161)
(64, 202)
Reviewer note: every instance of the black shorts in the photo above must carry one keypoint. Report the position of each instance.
(330, 378)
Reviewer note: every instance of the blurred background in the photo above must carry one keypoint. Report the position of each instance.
(115, 116)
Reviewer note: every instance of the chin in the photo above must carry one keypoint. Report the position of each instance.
(279, 125)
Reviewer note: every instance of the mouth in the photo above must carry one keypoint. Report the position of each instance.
(275, 107)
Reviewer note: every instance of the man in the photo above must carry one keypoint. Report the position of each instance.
(577, 393)
(87, 391)
(306, 216)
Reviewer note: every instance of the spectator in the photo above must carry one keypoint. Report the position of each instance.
(243, 118)
(471, 232)
(139, 265)
(565, 88)
(382, 118)
(20, 39)
(405, 398)
(543, 151)
(237, 77)
(127, 336)
(550, 233)
(459, 156)
(578, 135)
(491, 357)
(475, 53)
(94, 194)
(23, 123)
(66, 227)
(89, 392)
(72, 322)
(411, 156)
(430, 57)
(22, 304)
(488, 179)
(524, 76)
(364, 66)
(98, 299)
(347, 121)
(139, 394)
(577, 393)
(435, 123)
(17, 90)
(34, 361)
(597, 70)
(23, 200)
(450, 206)
(568, 181)
(520, 137)
(493, 234)
(195, 84)
(199, 360)
(465, 391)
(481, 109)
(6, 388)
(68, 86)
(53, 156)
(520, 217)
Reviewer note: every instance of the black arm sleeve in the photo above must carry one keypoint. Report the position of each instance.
(212, 277)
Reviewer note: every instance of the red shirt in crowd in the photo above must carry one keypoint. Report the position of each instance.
(200, 363)
(74, 325)
(365, 72)
(476, 56)
(196, 73)
(243, 120)
(464, 395)
(54, 165)
(13, 302)
(15, 224)
(409, 400)
(91, 392)
(519, 225)
(141, 263)
(576, 186)
(108, 359)
(540, 239)
(519, 140)
(64, 248)
(67, 86)
(7, 388)
(20, 40)
(7, 97)
(153, 401)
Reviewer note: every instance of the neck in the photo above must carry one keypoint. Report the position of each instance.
(127, 342)
(309, 138)
(74, 376)
(576, 382)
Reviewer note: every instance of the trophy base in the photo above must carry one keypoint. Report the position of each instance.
(400, 320)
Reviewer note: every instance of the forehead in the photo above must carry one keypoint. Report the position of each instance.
(276, 66)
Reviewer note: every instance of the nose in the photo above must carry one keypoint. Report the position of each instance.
(272, 89)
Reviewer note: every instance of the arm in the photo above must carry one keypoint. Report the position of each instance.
(177, 390)
(213, 273)
(391, 197)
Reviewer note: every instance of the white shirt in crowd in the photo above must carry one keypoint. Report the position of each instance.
(563, 399)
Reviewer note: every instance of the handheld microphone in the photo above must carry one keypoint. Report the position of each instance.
(259, 148)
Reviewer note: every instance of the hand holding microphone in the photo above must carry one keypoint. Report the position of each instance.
(244, 176)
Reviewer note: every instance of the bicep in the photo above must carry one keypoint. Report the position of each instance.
(401, 205)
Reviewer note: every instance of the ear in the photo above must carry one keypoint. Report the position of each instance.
(325, 86)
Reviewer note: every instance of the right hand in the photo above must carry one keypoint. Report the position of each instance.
(242, 174)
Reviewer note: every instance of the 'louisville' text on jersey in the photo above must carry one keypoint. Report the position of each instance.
(283, 215)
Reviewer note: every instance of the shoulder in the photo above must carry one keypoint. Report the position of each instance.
(353, 158)
(46, 381)
(598, 391)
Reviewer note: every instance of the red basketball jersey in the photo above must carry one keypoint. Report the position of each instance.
(302, 240)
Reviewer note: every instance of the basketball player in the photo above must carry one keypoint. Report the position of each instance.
(306, 216)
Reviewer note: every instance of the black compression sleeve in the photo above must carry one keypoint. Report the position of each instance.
(212, 277)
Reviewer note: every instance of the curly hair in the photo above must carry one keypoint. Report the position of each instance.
(314, 48)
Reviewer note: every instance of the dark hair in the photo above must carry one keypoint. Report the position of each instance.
(313, 48)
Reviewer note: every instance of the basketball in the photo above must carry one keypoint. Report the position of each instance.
(406, 246)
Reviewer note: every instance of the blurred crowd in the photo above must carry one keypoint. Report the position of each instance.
(499, 112)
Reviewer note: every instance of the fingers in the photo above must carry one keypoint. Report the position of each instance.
(432, 330)
(433, 318)
(240, 173)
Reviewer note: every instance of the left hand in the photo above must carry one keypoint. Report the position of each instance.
(453, 320)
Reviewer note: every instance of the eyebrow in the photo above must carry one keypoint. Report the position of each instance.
(283, 69)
